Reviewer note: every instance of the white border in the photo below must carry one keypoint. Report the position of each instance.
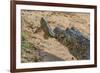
(20, 65)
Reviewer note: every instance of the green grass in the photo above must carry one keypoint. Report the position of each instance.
(28, 48)
(23, 36)
(24, 42)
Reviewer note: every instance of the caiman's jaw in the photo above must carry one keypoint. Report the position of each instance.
(46, 27)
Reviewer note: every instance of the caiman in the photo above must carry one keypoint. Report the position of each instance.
(72, 38)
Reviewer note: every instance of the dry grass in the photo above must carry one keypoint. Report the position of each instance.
(50, 49)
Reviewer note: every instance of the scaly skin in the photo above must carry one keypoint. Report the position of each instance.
(46, 27)
(78, 45)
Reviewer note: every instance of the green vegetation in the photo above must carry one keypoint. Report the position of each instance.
(24, 43)
(28, 49)
(23, 36)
